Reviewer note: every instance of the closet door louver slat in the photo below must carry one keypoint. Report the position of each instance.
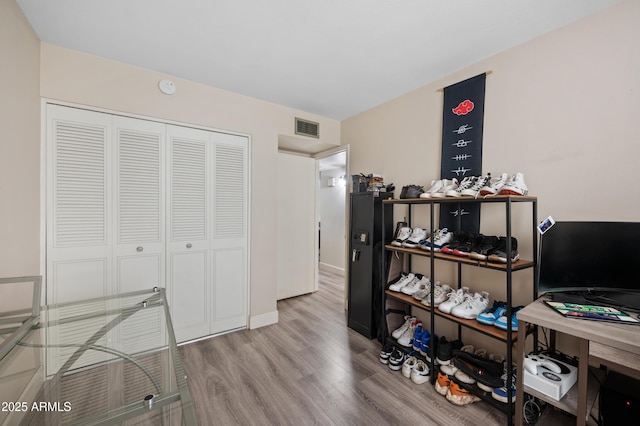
(230, 196)
(80, 185)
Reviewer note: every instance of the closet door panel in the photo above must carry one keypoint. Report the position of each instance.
(78, 191)
(229, 243)
(230, 297)
(139, 204)
(189, 231)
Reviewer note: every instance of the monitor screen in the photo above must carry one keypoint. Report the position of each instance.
(590, 256)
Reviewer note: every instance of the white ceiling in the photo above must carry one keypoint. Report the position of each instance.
(334, 58)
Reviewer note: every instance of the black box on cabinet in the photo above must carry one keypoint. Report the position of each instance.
(365, 237)
(619, 399)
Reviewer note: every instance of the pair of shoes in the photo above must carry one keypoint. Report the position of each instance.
(418, 235)
(439, 188)
(439, 239)
(402, 281)
(406, 339)
(409, 237)
(489, 248)
(471, 185)
(489, 316)
(515, 185)
(461, 244)
(416, 370)
(458, 395)
(503, 185)
(411, 191)
(385, 353)
(501, 393)
(484, 371)
(421, 339)
(446, 350)
(396, 359)
(408, 320)
(471, 306)
(440, 293)
(502, 321)
(415, 285)
(454, 298)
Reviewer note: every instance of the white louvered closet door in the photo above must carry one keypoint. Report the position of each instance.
(189, 231)
(139, 204)
(78, 198)
(229, 242)
(79, 264)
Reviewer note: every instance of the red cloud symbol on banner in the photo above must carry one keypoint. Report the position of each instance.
(464, 108)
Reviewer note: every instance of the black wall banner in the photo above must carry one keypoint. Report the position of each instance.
(462, 125)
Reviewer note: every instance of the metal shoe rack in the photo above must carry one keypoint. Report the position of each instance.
(509, 337)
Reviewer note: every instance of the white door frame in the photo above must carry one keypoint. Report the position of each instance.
(319, 156)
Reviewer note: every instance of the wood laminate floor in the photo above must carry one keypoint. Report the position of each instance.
(311, 369)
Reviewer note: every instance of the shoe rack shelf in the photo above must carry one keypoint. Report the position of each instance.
(488, 330)
(515, 266)
(509, 336)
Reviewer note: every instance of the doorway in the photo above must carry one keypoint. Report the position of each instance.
(331, 204)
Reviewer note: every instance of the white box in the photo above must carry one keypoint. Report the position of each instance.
(554, 385)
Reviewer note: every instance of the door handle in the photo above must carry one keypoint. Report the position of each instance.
(139, 249)
(189, 245)
(355, 255)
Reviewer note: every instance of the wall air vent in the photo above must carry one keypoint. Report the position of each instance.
(307, 128)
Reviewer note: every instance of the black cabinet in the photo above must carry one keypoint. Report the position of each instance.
(365, 243)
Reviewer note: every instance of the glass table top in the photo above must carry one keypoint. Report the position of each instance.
(110, 360)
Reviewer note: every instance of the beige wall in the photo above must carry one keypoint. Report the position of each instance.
(561, 108)
(75, 77)
(19, 144)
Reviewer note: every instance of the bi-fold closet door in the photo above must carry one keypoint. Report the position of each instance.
(133, 204)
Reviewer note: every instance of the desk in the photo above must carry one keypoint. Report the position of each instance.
(98, 361)
(618, 342)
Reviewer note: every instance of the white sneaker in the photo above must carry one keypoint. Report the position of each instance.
(420, 373)
(515, 186)
(417, 235)
(406, 339)
(480, 183)
(402, 282)
(495, 185)
(436, 185)
(440, 294)
(472, 306)
(447, 185)
(466, 183)
(454, 299)
(415, 285)
(403, 234)
(408, 365)
(408, 319)
(439, 239)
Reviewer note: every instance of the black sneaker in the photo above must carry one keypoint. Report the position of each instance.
(499, 254)
(445, 350)
(483, 246)
(464, 248)
(396, 359)
(385, 353)
(483, 370)
(458, 238)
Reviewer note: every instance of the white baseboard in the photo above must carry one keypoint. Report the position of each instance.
(263, 320)
(330, 268)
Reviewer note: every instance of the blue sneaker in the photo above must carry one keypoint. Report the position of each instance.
(501, 322)
(424, 342)
(490, 316)
(502, 394)
(418, 336)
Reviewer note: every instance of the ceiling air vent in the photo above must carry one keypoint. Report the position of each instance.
(307, 128)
